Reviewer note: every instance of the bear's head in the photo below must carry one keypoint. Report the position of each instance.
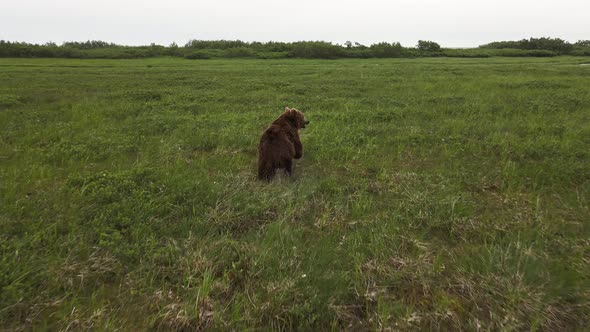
(295, 117)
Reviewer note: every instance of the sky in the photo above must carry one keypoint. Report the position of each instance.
(451, 23)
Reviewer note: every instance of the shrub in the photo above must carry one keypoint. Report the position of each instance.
(465, 53)
(533, 53)
(173, 50)
(581, 52)
(428, 46)
(272, 55)
(89, 44)
(276, 47)
(239, 52)
(197, 55)
(317, 50)
(205, 49)
(550, 44)
(215, 44)
(359, 53)
(386, 50)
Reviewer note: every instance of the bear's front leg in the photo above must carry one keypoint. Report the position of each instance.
(298, 149)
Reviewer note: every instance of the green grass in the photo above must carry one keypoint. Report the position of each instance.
(433, 194)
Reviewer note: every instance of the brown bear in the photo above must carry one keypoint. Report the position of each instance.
(280, 144)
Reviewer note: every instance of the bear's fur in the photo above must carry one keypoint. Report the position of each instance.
(280, 144)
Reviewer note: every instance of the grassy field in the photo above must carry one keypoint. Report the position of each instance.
(433, 194)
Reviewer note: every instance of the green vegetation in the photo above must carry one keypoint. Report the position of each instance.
(428, 46)
(207, 49)
(548, 44)
(434, 194)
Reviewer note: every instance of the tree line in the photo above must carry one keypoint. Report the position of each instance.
(207, 49)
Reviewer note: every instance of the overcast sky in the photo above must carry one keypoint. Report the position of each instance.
(451, 23)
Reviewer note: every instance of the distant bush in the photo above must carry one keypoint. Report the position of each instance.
(90, 44)
(316, 50)
(428, 46)
(205, 49)
(239, 52)
(118, 53)
(581, 52)
(84, 50)
(275, 47)
(465, 53)
(581, 48)
(528, 53)
(215, 44)
(197, 55)
(356, 52)
(386, 50)
(549, 44)
(173, 50)
(272, 55)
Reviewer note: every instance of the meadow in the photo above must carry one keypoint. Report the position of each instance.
(433, 194)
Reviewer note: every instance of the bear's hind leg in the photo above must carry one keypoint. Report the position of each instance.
(266, 172)
(289, 167)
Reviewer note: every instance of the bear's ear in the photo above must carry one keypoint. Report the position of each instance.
(287, 109)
